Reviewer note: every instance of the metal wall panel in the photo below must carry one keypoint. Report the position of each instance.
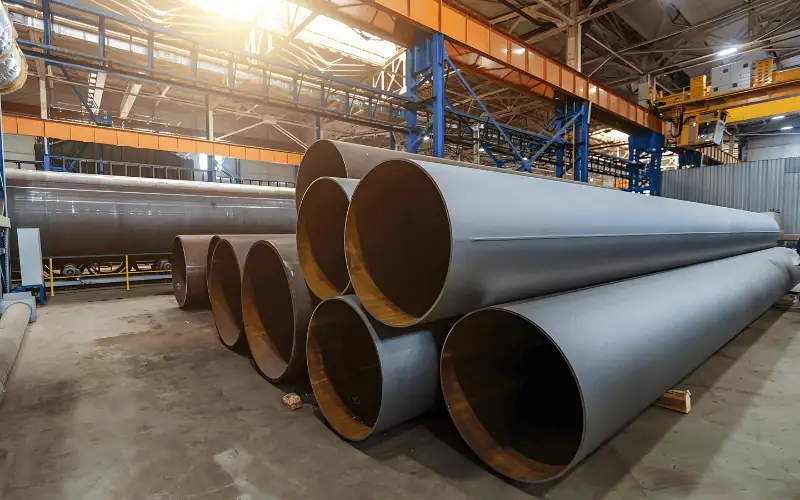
(758, 186)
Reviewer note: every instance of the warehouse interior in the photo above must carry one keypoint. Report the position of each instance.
(451, 249)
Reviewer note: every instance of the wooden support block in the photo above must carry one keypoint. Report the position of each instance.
(676, 400)
(292, 401)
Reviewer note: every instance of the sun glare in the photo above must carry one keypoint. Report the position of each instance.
(281, 16)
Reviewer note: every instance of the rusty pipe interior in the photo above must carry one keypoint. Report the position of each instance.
(344, 368)
(178, 261)
(512, 395)
(398, 253)
(268, 311)
(225, 292)
(320, 238)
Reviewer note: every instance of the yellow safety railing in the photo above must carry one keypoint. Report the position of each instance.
(126, 272)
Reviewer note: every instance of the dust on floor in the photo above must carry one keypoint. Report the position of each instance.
(126, 396)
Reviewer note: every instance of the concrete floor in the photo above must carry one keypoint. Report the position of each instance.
(124, 396)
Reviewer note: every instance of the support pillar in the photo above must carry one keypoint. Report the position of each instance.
(46, 153)
(476, 144)
(742, 148)
(646, 147)
(437, 78)
(412, 135)
(212, 166)
(580, 156)
(574, 35)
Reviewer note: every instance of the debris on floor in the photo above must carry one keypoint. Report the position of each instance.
(676, 400)
(292, 401)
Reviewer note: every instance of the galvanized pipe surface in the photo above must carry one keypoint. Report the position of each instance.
(535, 386)
(427, 241)
(276, 308)
(81, 214)
(366, 376)
(225, 286)
(326, 158)
(13, 325)
(320, 236)
(189, 263)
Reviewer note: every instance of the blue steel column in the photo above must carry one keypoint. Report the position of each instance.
(46, 153)
(101, 40)
(560, 170)
(47, 25)
(580, 160)
(437, 78)
(646, 146)
(412, 136)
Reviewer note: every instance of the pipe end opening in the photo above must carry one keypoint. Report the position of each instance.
(268, 311)
(178, 261)
(512, 395)
(225, 293)
(344, 369)
(320, 238)
(398, 242)
(321, 159)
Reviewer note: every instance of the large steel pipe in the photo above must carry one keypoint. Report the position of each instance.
(536, 386)
(320, 235)
(225, 286)
(189, 263)
(427, 241)
(366, 376)
(276, 308)
(81, 215)
(326, 158)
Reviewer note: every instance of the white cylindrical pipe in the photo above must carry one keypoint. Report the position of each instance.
(12, 329)
(13, 66)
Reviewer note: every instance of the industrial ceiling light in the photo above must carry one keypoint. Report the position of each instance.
(779, 117)
(728, 51)
(786, 128)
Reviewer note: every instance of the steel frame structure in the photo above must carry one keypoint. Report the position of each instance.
(564, 143)
(423, 111)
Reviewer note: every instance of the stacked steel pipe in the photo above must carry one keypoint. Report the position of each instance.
(618, 296)
(427, 241)
(257, 293)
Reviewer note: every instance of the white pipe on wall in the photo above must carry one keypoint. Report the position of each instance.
(13, 66)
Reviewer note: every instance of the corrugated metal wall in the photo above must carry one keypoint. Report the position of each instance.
(758, 186)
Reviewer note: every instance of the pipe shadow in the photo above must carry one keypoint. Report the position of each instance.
(626, 464)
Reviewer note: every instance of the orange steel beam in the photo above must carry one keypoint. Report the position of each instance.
(54, 129)
(480, 48)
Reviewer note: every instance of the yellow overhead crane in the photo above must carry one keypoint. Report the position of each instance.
(698, 117)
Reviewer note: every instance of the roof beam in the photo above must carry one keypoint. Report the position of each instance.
(129, 98)
(531, 10)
